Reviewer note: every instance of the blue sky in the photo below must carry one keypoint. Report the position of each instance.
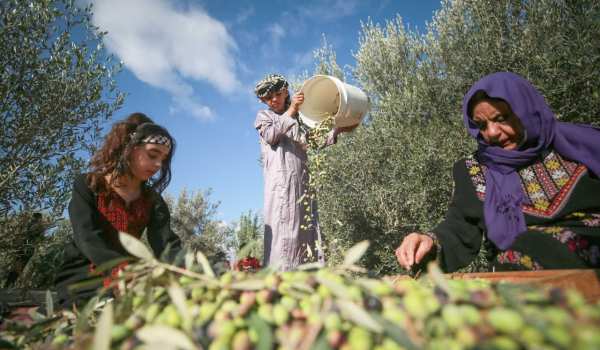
(192, 66)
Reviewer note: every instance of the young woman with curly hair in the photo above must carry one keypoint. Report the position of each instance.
(122, 192)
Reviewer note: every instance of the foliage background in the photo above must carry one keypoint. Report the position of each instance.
(193, 219)
(57, 88)
(389, 177)
(392, 176)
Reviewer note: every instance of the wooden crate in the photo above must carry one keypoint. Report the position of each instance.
(587, 282)
(24, 297)
(16, 304)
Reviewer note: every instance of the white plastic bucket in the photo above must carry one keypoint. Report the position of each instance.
(326, 95)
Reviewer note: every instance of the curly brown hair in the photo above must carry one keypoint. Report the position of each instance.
(114, 156)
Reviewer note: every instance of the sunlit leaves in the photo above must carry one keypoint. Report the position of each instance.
(57, 90)
(393, 175)
(201, 258)
(102, 335)
(157, 336)
(135, 247)
(354, 254)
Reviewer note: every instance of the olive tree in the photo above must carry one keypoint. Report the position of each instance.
(193, 220)
(33, 247)
(57, 88)
(248, 236)
(393, 174)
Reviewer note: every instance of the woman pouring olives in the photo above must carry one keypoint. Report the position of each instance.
(288, 239)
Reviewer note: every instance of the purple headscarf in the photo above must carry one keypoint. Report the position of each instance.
(502, 207)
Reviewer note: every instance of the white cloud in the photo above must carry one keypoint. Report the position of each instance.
(277, 33)
(188, 105)
(170, 47)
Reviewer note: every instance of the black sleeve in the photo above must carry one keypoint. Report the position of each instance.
(160, 235)
(87, 231)
(460, 234)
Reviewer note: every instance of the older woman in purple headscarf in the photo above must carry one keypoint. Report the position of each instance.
(531, 191)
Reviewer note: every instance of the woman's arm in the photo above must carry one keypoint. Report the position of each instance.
(271, 130)
(460, 234)
(333, 134)
(87, 231)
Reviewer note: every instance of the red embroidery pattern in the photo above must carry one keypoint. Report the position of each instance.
(590, 253)
(132, 219)
(546, 184)
(117, 216)
(113, 275)
(517, 258)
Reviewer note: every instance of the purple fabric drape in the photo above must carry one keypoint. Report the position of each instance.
(502, 207)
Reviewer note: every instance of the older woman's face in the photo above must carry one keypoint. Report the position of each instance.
(497, 124)
(276, 100)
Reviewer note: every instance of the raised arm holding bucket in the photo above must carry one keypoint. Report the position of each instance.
(287, 237)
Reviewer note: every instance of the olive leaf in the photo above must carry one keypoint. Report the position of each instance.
(189, 260)
(102, 335)
(82, 322)
(321, 342)
(354, 254)
(166, 337)
(338, 289)
(49, 303)
(302, 287)
(265, 334)
(249, 284)
(437, 277)
(135, 247)
(398, 334)
(178, 296)
(158, 271)
(205, 264)
(358, 315)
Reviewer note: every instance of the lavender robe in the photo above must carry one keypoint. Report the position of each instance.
(283, 157)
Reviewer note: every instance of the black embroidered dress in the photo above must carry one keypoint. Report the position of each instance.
(561, 209)
(96, 220)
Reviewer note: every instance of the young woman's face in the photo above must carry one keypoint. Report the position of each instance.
(276, 100)
(147, 159)
(498, 125)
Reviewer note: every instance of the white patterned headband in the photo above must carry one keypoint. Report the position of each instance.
(158, 140)
(155, 139)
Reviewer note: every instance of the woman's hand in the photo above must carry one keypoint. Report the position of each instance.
(337, 131)
(412, 249)
(294, 107)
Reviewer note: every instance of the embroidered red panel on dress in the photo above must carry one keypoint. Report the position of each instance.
(546, 184)
(117, 216)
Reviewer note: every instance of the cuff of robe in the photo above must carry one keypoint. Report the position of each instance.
(331, 137)
(436, 243)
